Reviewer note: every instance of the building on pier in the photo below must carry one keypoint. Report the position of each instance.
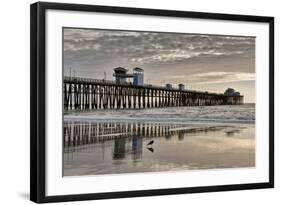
(169, 86)
(233, 96)
(181, 86)
(138, 76)
(121, 74)
(231, 92)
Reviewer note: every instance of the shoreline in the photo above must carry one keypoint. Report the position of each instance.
(151, 120)
(244, 114)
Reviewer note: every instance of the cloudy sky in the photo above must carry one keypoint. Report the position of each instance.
(201, 62)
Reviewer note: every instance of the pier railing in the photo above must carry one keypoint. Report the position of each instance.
(68, 79)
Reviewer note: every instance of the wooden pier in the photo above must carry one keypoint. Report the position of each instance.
(92, 94)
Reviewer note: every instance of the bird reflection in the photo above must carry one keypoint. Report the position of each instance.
(150, 149)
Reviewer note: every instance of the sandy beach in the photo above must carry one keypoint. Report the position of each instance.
(197, 138)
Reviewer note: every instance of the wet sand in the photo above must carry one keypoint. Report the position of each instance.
(111, 147)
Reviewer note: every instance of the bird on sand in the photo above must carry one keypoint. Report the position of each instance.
(150, 143)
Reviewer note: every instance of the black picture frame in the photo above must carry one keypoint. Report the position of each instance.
(38, 101)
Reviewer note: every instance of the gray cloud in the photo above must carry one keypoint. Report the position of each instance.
(149, 48)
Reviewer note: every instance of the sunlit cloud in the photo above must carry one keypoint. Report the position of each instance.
(214, 77)
(221, 77)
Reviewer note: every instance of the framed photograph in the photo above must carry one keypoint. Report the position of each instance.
(129, 102)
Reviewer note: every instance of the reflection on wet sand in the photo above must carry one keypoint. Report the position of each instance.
(113, 147)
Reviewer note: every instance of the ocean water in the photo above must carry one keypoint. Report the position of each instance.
(223, 113)
(183, 138)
